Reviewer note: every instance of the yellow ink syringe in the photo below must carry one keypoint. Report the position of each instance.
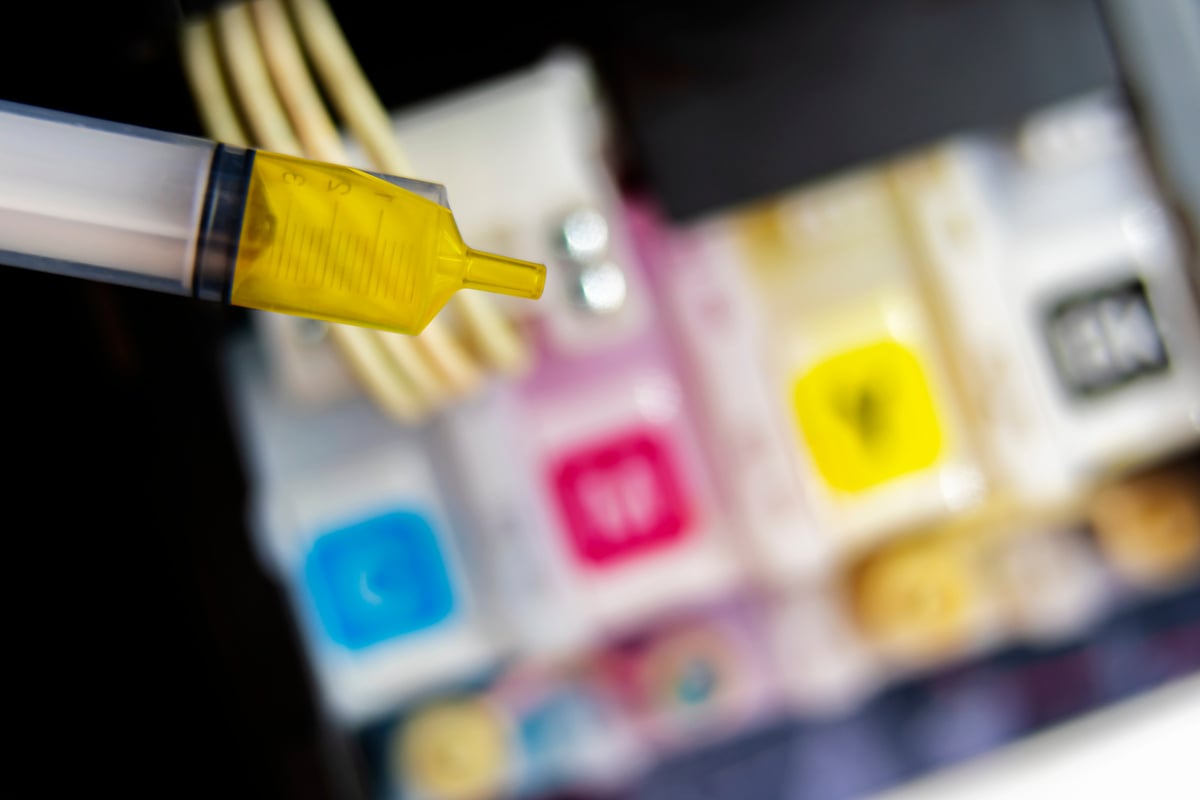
(189, 216)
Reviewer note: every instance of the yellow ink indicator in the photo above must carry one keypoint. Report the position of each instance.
(335, 243)
(1148, 526)
(456, 750)
(868, 416)
(916, 599)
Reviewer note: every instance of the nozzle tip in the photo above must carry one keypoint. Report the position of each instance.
(504, 275)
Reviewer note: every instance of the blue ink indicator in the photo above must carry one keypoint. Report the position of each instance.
(379, 579)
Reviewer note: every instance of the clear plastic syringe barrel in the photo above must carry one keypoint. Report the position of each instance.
(262, 230)
(100, 200)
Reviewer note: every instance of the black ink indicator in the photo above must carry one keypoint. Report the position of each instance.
(1105, 338)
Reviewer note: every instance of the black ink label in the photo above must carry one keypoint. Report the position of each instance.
(1105, 338)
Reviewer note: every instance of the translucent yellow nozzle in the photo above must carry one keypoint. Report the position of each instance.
(504, 275)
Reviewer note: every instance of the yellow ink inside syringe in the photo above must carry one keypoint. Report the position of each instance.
(335, 243)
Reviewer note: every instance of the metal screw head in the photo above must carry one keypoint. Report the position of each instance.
(583, 236)
(596, 284)
(600, 288)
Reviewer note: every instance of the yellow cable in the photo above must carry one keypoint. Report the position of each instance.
(370, 363)
(252, 82)
(453, 363)
(491, 333)
(404, 374)
(202, 65)
(412, 360)
(300, 97)
(368, 120)
(392, 383)
(348, 87)
(376, 371)
(422, 362)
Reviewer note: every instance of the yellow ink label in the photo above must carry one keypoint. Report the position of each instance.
(867, 416)
(455, 750)
(918, 598)
(1148, 526)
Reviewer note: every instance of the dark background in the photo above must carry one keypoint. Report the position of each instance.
(145, 651)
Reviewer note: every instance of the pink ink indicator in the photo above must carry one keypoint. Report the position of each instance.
(620, 498)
